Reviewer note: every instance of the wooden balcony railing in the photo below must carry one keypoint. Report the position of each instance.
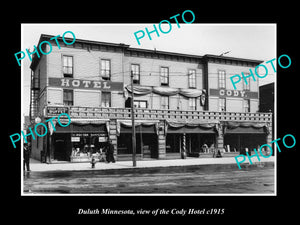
(160, 114)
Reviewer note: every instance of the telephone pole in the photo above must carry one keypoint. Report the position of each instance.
(133, 125)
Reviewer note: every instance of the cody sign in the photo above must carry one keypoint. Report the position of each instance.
(233, 93)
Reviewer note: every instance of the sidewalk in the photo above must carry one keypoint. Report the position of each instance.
(36, 166)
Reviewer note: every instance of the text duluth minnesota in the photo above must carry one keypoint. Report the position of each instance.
(173, 211)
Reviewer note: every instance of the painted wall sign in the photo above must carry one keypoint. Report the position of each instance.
(85, 84)
(233, 93)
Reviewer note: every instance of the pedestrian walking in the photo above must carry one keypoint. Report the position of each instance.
(26, 156)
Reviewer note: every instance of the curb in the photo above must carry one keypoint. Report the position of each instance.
(175, 168)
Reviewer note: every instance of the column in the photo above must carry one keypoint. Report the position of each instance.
(269, 136)
(219, 137)
(183, 149)
(112, 134)
(161, 140)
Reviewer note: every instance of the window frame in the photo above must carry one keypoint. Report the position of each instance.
(105, 77)
(220, 105)
(190, 84)
(222, 79)
(246, 87)
(104, 103)
(67, 100)
(163, 76)
(136, 81)
(246, 102)
(193, 106)
(140, 101)
(67, 75)
(165, 102)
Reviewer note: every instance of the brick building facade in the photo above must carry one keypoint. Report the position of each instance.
(183, 103)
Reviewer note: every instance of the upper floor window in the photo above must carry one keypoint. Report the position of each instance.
(135, 68)
(222, 104)
(105, 69)
(192, 78)
(164, 75)
(164, 102)
(140, 104)
(105, 99)
(246, 105)
(36, 79)
(221, 77)
(192, 103)
(68, 66)
(68, 97)
(246, 87)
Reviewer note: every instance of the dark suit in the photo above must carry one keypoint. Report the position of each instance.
(26, 158)
(110, 153)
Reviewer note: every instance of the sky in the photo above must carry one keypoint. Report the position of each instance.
(250, 41)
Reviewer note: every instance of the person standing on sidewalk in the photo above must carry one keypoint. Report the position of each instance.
(26, 156)
(110, 152)
(93, 161)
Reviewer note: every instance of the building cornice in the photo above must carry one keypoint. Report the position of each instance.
(147, 53)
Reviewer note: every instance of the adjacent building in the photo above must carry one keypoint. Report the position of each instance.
(183, 102)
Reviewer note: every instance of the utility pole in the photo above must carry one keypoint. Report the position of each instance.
(133, 125)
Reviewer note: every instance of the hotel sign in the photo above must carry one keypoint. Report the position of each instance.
(233, 93)
(85, 84)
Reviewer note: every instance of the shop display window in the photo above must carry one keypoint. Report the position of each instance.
(85, 145)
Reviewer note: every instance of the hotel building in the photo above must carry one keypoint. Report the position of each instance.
(183, 103)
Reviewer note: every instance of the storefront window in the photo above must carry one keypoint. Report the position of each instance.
(84, 144)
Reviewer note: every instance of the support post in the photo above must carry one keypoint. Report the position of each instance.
(183, 151)
(133, 125)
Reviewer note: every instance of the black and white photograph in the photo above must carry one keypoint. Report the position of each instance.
(154, 113)
(148, 109)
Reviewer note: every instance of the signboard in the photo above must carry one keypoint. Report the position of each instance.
(80, 135)
(75, 139)
(85, 84)
(233, 93)
(102, 139)
(56, 110)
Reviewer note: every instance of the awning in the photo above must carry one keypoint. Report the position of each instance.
(147, 127)
(189, 130)
(181, 127)
(245, 128)
(138, 129)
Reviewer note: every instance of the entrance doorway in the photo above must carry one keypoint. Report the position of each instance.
(146, 145)
(61, 144)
